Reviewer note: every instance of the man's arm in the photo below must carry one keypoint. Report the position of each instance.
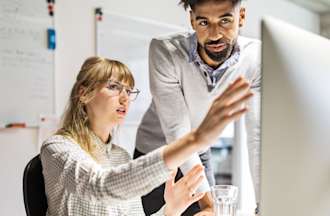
(168, 97)
(165, 87)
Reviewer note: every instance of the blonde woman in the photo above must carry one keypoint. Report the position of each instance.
(87, 174)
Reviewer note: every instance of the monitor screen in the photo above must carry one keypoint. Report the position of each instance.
(295, 125)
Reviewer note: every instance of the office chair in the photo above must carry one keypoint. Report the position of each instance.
(35, 200)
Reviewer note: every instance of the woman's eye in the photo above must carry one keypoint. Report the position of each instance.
(113, 87)
(128, 92)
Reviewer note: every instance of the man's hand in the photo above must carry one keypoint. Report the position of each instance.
(178, 196)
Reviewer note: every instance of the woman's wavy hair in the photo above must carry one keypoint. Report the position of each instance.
(93, 75)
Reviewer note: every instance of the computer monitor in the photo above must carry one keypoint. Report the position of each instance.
(295, 125)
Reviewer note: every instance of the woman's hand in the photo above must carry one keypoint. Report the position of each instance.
(229, 106)
(179, 195)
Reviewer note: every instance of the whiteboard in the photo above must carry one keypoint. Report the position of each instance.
(127, 39)
(26, 65)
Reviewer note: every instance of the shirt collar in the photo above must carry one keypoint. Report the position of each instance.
(98, 142)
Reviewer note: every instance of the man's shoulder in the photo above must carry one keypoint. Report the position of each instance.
(177, 40)
(176, 45)
(250, 49)
(178, 36)
(249, 43)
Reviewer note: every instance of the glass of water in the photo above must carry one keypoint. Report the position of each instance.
(225, 199)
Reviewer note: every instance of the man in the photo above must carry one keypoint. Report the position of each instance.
(186, 72)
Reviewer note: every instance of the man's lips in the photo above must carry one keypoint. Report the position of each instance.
(216, 47)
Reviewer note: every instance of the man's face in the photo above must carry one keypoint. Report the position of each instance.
(217, 25)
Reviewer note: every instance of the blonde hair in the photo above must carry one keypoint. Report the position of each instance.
(94, 73)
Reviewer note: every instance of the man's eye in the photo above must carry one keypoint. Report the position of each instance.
(225, 21)
(203, 23)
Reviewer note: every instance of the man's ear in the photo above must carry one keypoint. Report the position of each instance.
(192, 23)
(242, 16)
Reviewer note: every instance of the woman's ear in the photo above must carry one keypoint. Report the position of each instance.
(82, 92)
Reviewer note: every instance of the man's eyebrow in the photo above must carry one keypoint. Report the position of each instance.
(200, 17)
(224, 15)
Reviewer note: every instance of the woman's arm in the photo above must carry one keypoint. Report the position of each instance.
(226, 108)
(67, 165)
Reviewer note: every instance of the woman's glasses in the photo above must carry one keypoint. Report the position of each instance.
(116, 89)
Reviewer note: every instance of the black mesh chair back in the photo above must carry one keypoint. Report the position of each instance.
(35, 200)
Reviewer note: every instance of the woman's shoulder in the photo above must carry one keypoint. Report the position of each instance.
(56, 138)
(57, 142)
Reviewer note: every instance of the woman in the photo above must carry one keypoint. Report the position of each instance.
(87, 174)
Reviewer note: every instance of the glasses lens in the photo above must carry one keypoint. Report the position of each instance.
(115, 88)
(133, 94)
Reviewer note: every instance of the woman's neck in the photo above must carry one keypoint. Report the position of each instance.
(101, 130)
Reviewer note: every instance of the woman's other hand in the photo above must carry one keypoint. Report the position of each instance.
(181, 194)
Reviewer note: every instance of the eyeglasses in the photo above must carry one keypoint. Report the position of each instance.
(116, 89)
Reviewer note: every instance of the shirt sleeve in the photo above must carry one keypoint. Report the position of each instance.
(165, 87)
(168, 97)
(253, 133)
(78, 173)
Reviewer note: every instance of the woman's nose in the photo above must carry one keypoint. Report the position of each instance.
(123, 96)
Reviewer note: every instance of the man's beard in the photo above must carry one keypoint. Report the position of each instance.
(219, 56)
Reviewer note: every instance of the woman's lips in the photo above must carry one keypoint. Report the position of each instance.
(121, 111)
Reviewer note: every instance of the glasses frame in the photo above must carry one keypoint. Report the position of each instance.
(135, 91)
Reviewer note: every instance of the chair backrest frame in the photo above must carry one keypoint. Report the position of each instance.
(35, 200)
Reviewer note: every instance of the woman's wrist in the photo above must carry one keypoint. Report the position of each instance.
(176, 153)
(198, 140)
(168, 211)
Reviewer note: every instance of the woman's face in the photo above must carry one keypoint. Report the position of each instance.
(110, 104)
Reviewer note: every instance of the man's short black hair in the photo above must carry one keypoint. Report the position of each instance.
(192, 3)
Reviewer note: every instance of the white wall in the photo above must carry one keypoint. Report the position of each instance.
(75, 42)
(325, 25)
(282, 9)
